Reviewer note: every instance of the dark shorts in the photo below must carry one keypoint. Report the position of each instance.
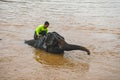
(42, 33)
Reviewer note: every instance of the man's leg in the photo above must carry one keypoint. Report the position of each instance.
(35, 36)
(39, 42)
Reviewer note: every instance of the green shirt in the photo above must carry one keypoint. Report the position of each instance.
(40, 28)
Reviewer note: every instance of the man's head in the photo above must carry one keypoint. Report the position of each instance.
(46, 24)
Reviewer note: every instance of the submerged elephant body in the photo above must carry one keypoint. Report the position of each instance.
(54, 43)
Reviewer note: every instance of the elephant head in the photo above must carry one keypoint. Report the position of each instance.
(56, 40)
(55, 43)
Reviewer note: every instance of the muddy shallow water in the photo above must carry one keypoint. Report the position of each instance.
(94, 24)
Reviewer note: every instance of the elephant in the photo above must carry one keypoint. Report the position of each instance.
(54, 43)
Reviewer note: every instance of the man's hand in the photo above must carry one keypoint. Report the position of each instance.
(38, 36)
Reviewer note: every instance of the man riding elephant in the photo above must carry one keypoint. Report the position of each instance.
(40, 33)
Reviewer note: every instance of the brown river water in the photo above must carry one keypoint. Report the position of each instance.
(94, 24)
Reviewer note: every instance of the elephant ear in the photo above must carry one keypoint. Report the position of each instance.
(58, 36)
(52, 39)
(49, 39)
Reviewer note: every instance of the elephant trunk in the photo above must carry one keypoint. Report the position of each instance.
(69, 47)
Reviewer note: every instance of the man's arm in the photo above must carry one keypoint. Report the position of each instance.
(38, 30)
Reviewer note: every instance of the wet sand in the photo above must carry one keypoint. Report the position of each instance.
(75, 21)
